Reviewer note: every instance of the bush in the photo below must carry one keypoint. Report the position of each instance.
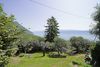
(80, 44)
(4, 60)
(33, 46)
(11, 52)
(72, 53)
(29, 47)
(60, 45)
(22, 55)
(56, 55)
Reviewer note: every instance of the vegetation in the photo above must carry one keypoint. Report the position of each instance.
(60, 45)
(19, 47)
(10, 37)
(51, 31)
(36, 60)
(80, 44)
(95, 53)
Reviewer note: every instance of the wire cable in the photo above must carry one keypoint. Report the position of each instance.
(59, 10)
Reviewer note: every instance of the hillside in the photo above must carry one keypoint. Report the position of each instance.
(26, 34)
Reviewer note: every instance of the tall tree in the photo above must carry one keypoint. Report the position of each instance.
(51, 31)
(8, 36)
(95, 53)
(96, 16)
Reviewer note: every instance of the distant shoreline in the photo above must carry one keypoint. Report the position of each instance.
(67, 34)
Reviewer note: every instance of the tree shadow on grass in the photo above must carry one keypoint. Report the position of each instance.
(56, 56)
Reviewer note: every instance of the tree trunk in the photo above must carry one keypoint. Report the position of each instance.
(77, 50)
(58, 52)
(44, 52)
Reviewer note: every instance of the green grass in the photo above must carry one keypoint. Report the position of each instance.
(36, 60)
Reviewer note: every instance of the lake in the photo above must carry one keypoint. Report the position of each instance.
(67, 34)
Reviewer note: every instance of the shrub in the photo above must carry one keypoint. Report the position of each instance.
(80, 44)
(22, 55)
(4, 60)
(11, 52)
(60, 45)
(56, 55)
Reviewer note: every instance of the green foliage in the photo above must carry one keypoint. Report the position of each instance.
(5, 38)
(96, 16)
(12, 34)
(95, 53)
(21, 55)
(8, 36)
(32, 46)
(93, 45)
(60, 45)
(8, 32)
(51, 30)
(4, 60)
(11, 52)
(80, 44)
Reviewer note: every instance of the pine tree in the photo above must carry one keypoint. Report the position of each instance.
(51, 31)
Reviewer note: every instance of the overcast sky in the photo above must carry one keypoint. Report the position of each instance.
(70, 14)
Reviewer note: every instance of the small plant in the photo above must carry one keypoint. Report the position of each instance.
(22, 55)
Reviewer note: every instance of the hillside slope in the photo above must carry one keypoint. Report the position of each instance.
(25, 33)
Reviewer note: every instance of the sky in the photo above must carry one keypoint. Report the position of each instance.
(70, 14)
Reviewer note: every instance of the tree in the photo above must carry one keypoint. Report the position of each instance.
(80, 44)
(51, 31)
(96, 28)
(8, 33)
(60, 45)
(95, 53)
(8, 36)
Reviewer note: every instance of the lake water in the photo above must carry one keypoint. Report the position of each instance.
(67, 34)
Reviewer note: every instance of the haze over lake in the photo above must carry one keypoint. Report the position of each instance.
(67, 34)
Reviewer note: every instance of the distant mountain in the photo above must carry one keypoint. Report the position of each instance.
(26, 35)
(67, 34)
(23, 28)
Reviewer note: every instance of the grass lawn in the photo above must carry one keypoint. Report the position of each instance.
(36, 60)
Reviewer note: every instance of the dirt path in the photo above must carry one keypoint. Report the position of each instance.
(75, 65)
